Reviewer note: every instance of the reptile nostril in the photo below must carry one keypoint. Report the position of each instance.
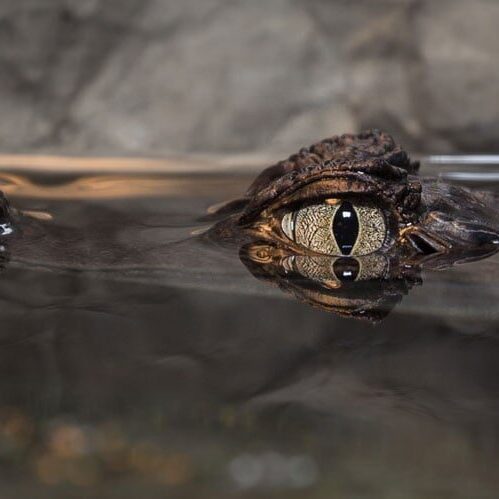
(486, 237)
(422, 245)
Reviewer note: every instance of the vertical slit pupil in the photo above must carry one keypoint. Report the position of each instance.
(346, 227)
(346, 269)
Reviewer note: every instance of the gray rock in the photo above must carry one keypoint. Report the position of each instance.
(458, 79)
(154, 77)
(426, 72)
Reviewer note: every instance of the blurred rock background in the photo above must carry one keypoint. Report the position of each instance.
(155, 77)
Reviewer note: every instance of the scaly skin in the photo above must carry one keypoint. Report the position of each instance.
(429, 224)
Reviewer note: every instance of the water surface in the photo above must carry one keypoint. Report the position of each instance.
(136, 358)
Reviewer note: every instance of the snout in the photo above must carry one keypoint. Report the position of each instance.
(440, 233)
(455, 221)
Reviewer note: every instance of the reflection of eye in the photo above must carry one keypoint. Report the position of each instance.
(337, 228)
(346, 269)
(342, 269)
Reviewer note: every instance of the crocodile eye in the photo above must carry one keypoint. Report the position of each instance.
(336, 227)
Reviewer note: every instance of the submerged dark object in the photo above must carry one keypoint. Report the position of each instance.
(347, 225)
(5, 216)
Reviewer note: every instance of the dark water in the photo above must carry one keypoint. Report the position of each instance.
(137, 361)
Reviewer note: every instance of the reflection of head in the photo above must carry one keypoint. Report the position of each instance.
(362, 287)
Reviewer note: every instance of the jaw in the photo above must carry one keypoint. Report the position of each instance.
(436, 252)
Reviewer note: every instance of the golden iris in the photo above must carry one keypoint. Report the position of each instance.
(337, 227)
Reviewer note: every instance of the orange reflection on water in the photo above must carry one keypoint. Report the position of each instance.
(120, 186)
(181, 164)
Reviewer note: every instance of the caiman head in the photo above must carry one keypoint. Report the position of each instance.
(347, 225)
